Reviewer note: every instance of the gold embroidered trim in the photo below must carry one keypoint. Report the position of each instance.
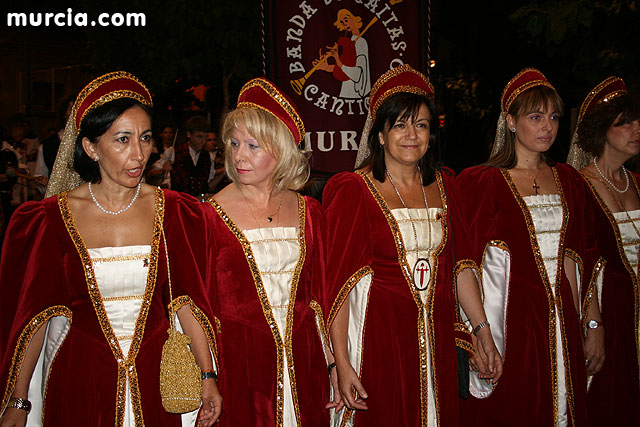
(403, 221)
(548, 231)
(280, 306)
(278, 272)
(461, 327)
(144, 257)
(22, 344)
(595, 91)
(591, 290)
(404, 267)
(94, 84)
(277, 239)
(126, 366)
(625, 221)
(283, 347)
(555, 303)
(124, 337)
(465, 345)
(320, 320)
(544, 205)
(461, 265)
(275, 95)
(635, 242)
(396, 89)
(123, 298)
(345, 290)
(623, 256)
(506, 104)
(202, 319)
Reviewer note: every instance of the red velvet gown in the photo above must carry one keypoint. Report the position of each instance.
(251, 350)
(46, 275)
(614, 395)
(367, 268)
(497, 215)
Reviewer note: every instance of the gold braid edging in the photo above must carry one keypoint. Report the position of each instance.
(345, 290)
(23, 344)
(320, 319)
(592, 289)
(202, 319)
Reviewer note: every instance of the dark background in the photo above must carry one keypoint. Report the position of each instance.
(195, 55)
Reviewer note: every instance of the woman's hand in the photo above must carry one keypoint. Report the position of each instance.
(337, 401)
(594, 350)
(211, 403)
(348, 382)
(14, 417)
(486, 359)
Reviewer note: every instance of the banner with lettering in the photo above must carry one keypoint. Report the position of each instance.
(326, 54)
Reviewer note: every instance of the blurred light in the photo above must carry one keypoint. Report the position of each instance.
(432, 63)
(441, 118)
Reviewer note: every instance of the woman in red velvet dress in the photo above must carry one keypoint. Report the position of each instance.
(526, 222)
(83, 278)
(267, 288)
(608, 135)
(391, 227)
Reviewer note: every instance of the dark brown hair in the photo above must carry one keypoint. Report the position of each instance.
(528, 101)
(592, 130)
(402, 106)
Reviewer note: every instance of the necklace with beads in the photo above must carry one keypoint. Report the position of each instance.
(422, 267)
(135, 197)
(626, 177)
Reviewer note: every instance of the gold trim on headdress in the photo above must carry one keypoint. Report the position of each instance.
(109, 96)
(578, 158)
(402, 86)
(542, 81)
(512, 91)
(63, 176)
(276, 95)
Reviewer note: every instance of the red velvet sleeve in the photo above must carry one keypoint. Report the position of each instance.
(189, 241)
(318, 254)
(32, 288)
(349, 235)
(475, 208)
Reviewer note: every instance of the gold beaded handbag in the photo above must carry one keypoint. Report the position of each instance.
(180, 376)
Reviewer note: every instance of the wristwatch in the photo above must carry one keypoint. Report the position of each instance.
(593, 324)
(18, 403)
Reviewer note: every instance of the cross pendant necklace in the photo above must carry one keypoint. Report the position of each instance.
(535, 185)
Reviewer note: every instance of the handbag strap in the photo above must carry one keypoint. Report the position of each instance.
(166, 252)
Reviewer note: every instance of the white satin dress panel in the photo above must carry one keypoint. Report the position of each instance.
(276, 251)
(546, 213)
(419, 249)
(629, 235)
(121, 273)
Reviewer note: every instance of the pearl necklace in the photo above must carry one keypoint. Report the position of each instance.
(626, 176)
(93, 197)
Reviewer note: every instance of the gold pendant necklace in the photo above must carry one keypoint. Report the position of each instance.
(269, 217)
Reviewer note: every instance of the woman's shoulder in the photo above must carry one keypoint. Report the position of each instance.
(344, 181)
(478, 174)
(34, 217)
(313, 206)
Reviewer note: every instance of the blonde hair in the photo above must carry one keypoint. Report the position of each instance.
(292, 163)
(357, 21)
(528, 101)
